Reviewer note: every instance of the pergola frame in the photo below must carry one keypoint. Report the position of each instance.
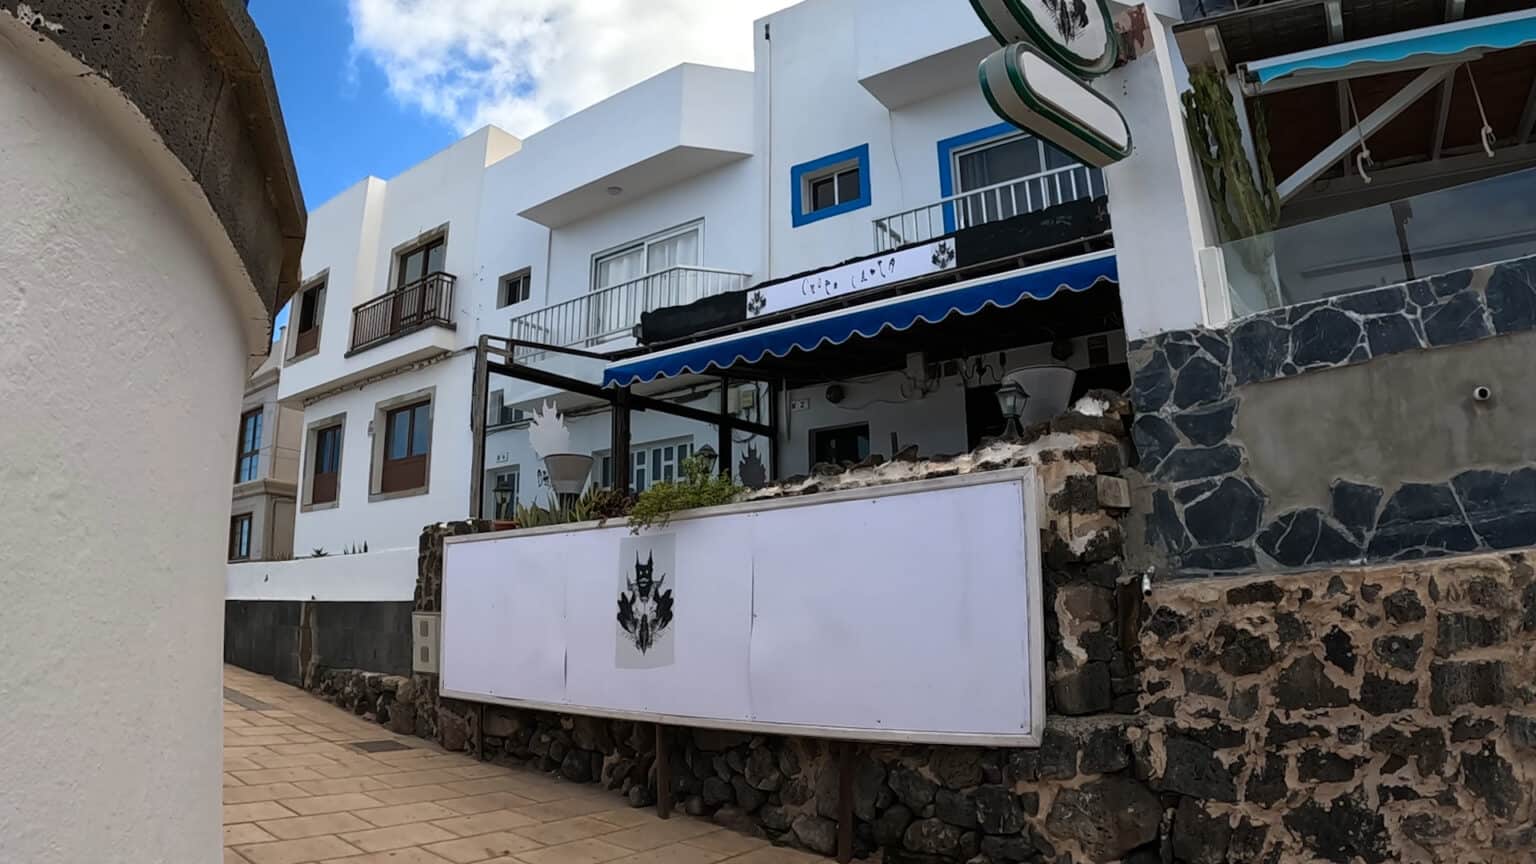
(496, 355)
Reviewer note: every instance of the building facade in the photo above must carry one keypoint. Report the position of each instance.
(263, 501)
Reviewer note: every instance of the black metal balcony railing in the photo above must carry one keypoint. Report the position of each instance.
(423, 303)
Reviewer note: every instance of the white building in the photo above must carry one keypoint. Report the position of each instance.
(861, 132)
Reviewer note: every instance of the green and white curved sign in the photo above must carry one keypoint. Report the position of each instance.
(1025, 88)
(1078, 34)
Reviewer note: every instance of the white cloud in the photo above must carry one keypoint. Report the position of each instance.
(523, 64)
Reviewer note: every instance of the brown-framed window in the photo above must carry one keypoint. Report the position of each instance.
(419, 262)
(407, 443)
(240, 537)
(248, 462)
(307, 311)
(324, 478)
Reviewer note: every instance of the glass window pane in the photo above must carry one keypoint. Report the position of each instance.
(410, 268)
(848, 186)
(421, 429)
(999, 163)
(620, 268)
(255, 442)
(1055, 157)
(823, 194)
(436, 256)
(680, 250)
(398, 436)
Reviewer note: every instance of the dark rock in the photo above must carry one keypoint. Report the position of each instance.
(718, 740)
(1199, 382)
(1259, 348)
(955, 808)
(1107, 817)
(1425, 746)
(1346, 829)
(695, 807)
(1425, 828)
(1164, 524)
(1339, 650)
(998, 811)
(576, 766)
(640, 795)
(1198, 837)
(1391, 334)
(717, 792)
(1179, 352)
(1165, 623)
(1202, 683)
(1152, 384)
(1421, 515)
(1245, 703)
(1155, 438)
(591, 733)
(1400, 652)
(869, 789)
(1227, 515)
(931, 836)
(1022, 766)
(1105, 751)
(1197, 463)
(1522, 731)
(1011, 849)
(1511, 294)
(1403, 606)
(1471, 729)
(1193, 769)
(1085, 690)
(1290, 628)
(957, 767)
(1458, 632)
(1209, 426)
(1306, 537)
(1242, 652)
(1266, 786)
(818, 834)
(1267, 593)
(1191, 492)
(1280, 733)
(1398, 793)
(1306, 685)
(1058, 755)
(1380, 695)
(891, 825)
(1215, 344)
(1324, 338)
(914, 790)
(1315, 766)
(1459, 319)
(748, 797)
(1501, 507)
(1375, 301)
(774, 818)
(742, 822)
(1455, 684)
(1217, 736)
(763, 770)
(1490, 777)
(1222, 558)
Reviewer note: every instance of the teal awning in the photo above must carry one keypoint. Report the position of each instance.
(1426, 46)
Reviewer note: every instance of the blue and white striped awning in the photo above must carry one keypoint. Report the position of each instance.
(868, 320)
(1425, 46)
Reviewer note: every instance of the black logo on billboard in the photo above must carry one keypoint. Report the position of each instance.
(645, 610)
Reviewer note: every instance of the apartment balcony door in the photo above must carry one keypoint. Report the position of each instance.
(1014, 174)
(616, 311)
(415, 297)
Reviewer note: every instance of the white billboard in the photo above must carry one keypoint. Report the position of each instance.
(908, 612)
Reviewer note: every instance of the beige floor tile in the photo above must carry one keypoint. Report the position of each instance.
(258, 740)
(727, 842)
(566, 830)
(400, 814)
(342, 785)
(629, 817)
(396, 837)
(485, 823)
(568, 808)
(330, 803)
(300, 760)
(261, 792)
(660, 833)
(471, 849)
(481, 803)
(314, 826)
(254, 812)
(475, 772)
(421, 778)
(235, 763)
(297, 851)
(589, 851)
(340, 771)
(232, 780)
(233, 857)
(277, 775)
(245, 832)
(394, 856)
(430, 792)
(486, 785)
(776, 855)
(677, 853)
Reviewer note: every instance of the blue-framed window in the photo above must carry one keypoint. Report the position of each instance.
(1019, 173)
(830, 186)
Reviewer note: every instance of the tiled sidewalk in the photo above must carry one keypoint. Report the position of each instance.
(297, 790)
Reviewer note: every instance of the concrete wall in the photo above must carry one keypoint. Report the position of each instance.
(116, 498)
(287, 638)
(380, 575)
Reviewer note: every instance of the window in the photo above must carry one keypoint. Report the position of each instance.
(326, 465)
(842, 444)
(1009, 173)
(240, 537)
(248, 462)
(421, 261)
(307, 310)
(502, 414)
(618, 312)
(657, 462)
(515, 288)
(830, 186)
(407, 443)
(497, 479)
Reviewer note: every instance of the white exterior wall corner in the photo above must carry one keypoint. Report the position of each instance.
(110, 258)
(387, 576)
(1154, 196)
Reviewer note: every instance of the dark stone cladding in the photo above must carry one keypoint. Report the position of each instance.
(209, 94)
(1210, 516)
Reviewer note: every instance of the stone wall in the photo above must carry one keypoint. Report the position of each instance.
(292, 640)
(1367, 714)
(1344, 429)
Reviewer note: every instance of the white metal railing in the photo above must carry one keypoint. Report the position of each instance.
(988, 204)
(611, 313)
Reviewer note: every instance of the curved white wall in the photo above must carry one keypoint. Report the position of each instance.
(121, 364)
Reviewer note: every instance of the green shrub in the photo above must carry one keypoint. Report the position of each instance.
(654, 507)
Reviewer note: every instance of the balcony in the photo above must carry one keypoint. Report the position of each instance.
(987, 205)
(613, 313)
(427, 302)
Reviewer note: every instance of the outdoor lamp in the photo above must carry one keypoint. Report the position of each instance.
(503, 493)
(708, 457)
(1011, 398)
